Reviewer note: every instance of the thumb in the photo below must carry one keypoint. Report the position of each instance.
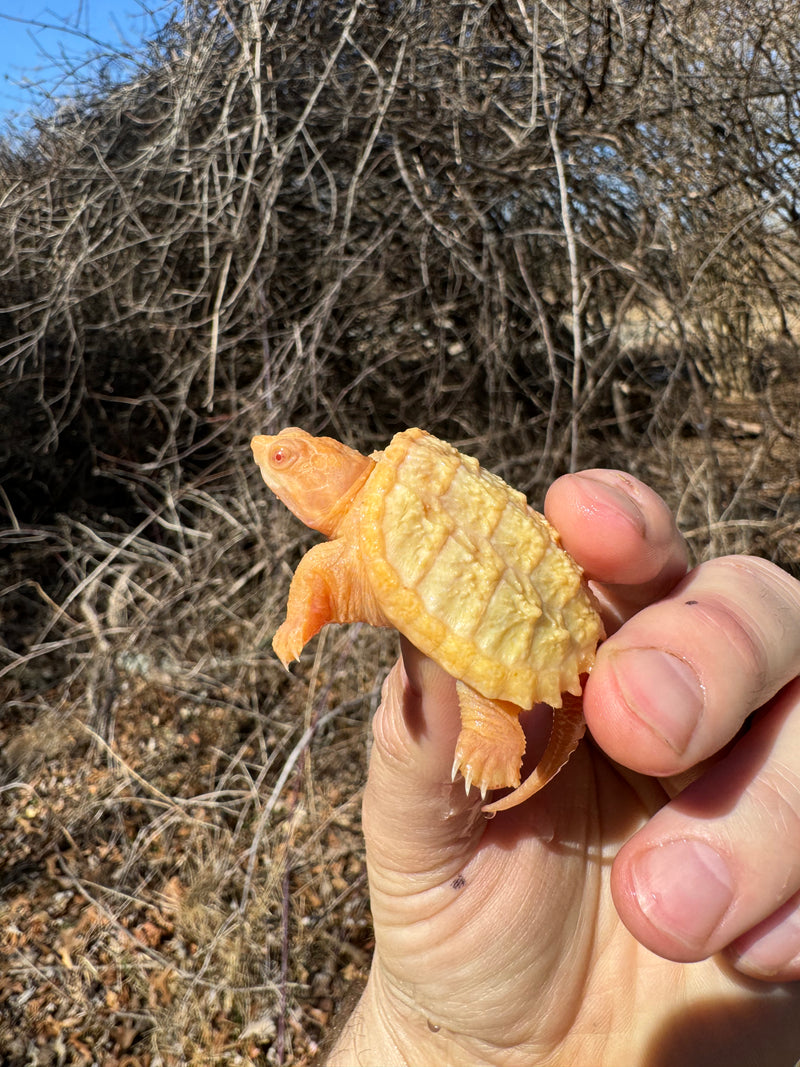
(417, 822)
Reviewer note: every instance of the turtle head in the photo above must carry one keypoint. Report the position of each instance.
(315, 477)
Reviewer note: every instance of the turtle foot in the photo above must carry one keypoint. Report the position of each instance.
(288, 643)
(491, 743)
(481, 764)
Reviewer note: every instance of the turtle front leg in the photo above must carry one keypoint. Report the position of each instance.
(491, 743)
(326, 587)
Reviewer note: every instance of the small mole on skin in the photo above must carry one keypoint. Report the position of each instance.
(434, 1029)
(689, 602)
(458, 882)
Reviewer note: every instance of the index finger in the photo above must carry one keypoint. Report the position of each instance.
(623, 535)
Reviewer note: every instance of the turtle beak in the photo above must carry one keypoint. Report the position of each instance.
(262, 445)
(259, 445)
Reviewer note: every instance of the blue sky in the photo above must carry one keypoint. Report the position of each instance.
(35, 35)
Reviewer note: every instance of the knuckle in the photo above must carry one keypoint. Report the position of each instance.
(755, 607)
(778, 795)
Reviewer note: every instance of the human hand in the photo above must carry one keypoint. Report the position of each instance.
(510, 940)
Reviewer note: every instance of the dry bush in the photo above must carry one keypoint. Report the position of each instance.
(539, 234)
(376, 215)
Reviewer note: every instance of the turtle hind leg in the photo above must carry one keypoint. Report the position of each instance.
(491, 743)
(569, 727)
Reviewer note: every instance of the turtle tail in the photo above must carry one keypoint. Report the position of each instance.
(569, 727)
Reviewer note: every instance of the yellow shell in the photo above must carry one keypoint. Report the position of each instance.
(472, 575)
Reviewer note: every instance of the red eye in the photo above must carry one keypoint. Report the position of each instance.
(281, 456)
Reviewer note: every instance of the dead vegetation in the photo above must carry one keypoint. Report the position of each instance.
(543, 236)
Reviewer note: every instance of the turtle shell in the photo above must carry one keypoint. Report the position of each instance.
(472, 575)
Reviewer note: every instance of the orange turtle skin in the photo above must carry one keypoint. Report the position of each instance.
(423, 539)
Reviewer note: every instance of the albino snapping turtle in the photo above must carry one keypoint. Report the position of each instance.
(423, 539)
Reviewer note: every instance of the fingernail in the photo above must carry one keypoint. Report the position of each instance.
(662, 691)
(684, 888)
(602, 491)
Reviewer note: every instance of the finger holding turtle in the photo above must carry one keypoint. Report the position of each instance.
(673, 695)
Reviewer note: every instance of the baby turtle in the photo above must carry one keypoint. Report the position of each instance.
(423, 539)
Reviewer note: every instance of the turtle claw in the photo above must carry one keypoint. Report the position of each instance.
(485, 765)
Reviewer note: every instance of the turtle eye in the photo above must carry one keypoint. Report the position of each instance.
(281, 457)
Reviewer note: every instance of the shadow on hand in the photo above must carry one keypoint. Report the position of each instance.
(746, 1031)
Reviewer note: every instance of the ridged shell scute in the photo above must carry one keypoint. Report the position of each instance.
(472, 575)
